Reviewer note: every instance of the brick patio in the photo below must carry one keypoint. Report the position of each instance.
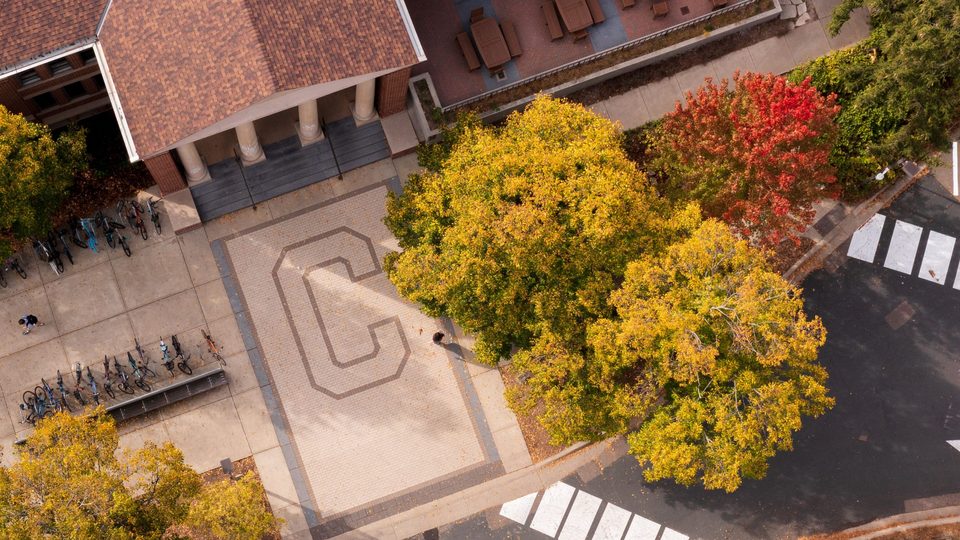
(439, 21)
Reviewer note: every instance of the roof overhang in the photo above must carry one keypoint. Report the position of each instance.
(411, 31)
(115, 103)
(47, 57)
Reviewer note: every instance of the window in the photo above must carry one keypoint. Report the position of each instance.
(75, 90)
(88, 56)
(61, 65)
(44, 101)
(98, 80)
(29, 77)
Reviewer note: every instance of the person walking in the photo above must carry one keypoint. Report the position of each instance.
(438, 338)
(28, 322)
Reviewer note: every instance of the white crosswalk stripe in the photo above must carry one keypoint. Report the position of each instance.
(642, 528)
(670, 534)
(612, 523)
(903, 247)
(518, 509)
(936, 257)
(581, 516)
(865, 240)
(552, 508)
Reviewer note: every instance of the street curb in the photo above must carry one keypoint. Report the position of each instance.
(489, 494)
(815, 257)
(894, 524)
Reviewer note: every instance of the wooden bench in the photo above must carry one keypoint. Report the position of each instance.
(553, 21)
(469, 53)
(627, 3)
(596, 11)
(510, 35)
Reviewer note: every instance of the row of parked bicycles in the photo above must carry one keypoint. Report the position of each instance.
(46, 399)
(84, 233)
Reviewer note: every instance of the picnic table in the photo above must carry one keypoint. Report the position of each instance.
(490, 42)
(575, 14)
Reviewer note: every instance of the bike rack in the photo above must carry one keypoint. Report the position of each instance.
(204, 379)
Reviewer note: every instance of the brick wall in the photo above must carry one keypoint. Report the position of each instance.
(392, 92)
(10, 99)
(165, 173)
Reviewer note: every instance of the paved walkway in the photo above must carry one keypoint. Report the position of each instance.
(776, 55)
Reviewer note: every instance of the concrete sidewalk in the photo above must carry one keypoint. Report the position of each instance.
(776, 55)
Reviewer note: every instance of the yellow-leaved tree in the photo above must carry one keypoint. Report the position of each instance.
(724, 345)
(515, 230)
(70, 481)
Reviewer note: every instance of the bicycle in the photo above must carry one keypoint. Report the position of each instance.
(139, 377)
(182, 357)
(90, 233)
(124, 384)
(36, 407)
(63, 391)
(48, 255)
(144, 359)
(154, 214)
(77, 234)
(213, 348)
(78, 389)
(93, 386)
(108, 379)
(136, 214)
(109, 227)
(50, 396)
(165, 357)
(123, 244)
(63, 243)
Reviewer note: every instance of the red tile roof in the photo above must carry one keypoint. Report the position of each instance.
(32, 28)
(182, 66)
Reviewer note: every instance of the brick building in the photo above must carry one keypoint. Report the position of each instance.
(176, 73)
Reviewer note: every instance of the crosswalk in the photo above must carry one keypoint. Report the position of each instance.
(905, 243)
(555, 513)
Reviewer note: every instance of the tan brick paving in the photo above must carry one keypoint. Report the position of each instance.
(386, 433)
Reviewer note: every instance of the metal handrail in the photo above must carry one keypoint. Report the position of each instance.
(598, 55)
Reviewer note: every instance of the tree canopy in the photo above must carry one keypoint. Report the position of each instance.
(70, 481)
(898, 87)
(755, 155)
(36, 170)
(526, 228)
(709, 348)
(619, 310)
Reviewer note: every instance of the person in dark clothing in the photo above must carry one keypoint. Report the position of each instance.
(28, 322)
(437, 338)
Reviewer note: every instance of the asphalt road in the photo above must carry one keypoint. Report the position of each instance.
(882, 450)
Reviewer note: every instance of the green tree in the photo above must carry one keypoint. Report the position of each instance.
(70, 481)
(36, 170)
(233, 509)
(709, 351)
(898, 88)
(522, 229)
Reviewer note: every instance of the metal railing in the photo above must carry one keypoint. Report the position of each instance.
(596, 56)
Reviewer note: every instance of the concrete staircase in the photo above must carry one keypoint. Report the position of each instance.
(289, 167)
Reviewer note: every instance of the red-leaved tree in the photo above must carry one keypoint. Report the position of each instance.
(754, 156)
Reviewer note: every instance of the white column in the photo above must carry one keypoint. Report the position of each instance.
(363, 110)
(192, 163)
(250, 150)
(309, 127)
